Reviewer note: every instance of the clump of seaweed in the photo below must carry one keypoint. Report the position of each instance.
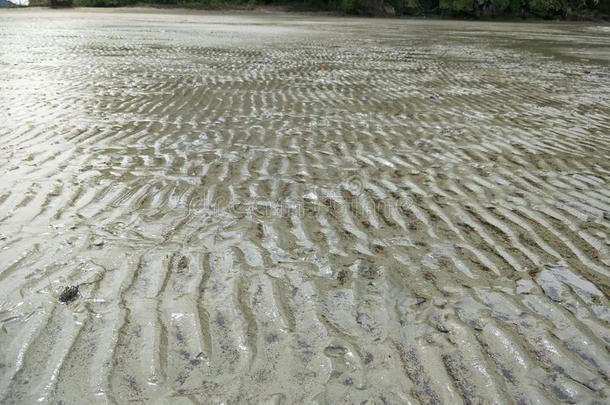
(69, 294)
(342, 276)
(183, 263)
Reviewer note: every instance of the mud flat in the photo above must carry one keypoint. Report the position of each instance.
(292, 210)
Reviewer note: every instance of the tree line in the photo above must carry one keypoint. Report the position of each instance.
(565, 9)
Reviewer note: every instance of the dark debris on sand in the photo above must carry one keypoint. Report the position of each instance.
(69, 294)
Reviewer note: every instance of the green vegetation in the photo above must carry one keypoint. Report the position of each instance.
(334, 5)
(456, 8)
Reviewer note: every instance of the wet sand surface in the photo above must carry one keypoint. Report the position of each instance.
(293, 209)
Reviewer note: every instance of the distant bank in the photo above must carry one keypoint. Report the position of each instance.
(479, 9)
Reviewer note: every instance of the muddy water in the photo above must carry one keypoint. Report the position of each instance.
(295, 210)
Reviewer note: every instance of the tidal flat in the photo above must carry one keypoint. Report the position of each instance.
(242, 208)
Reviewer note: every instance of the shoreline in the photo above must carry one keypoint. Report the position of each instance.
(294, 10)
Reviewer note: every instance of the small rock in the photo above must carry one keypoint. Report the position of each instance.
(525, 286)
(97, 243)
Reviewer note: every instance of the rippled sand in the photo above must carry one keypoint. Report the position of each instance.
(295, 210)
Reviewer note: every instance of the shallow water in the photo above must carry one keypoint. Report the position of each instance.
(291, 209)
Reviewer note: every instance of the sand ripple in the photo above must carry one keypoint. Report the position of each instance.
(304, 210)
